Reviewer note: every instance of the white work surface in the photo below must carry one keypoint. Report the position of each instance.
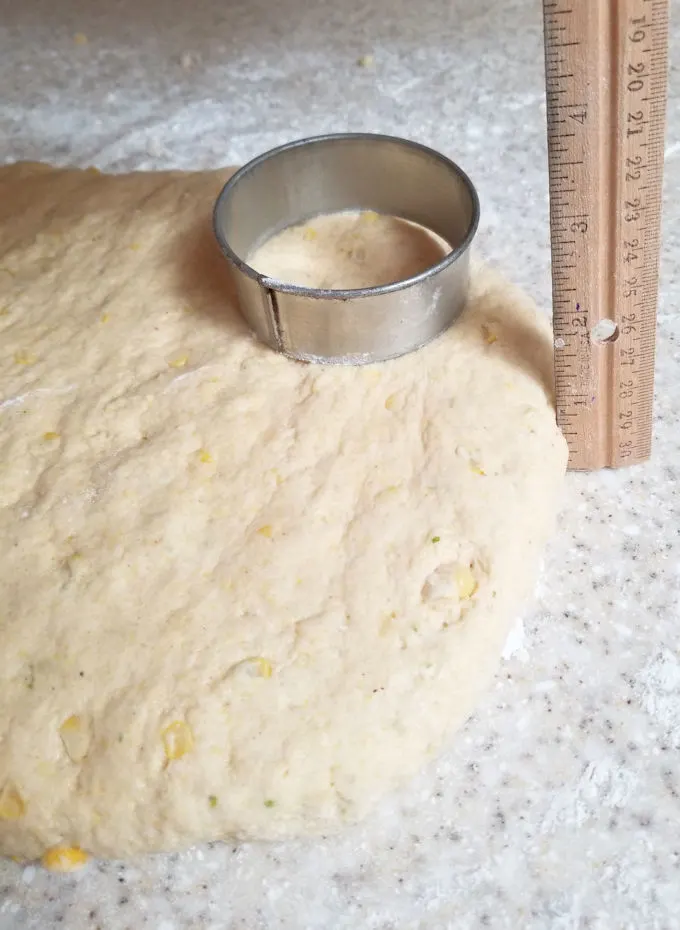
(559, 804)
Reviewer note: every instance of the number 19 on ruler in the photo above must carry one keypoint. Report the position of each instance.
(606, 72)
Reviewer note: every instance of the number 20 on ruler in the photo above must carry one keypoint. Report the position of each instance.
(606, 67)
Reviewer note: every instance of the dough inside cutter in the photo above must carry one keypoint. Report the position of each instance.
(349, 250)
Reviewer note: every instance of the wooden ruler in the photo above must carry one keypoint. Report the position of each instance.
(606, 74)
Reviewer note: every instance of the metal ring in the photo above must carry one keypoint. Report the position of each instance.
(332, 173)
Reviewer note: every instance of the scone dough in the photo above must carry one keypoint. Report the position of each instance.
(239, 595)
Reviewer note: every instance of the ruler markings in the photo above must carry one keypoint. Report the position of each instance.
(606, 66)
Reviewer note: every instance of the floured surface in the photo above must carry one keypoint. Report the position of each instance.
(213, 553)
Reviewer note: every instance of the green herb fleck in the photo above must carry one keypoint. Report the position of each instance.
(212, 800)
(436, 538)
(269, 803)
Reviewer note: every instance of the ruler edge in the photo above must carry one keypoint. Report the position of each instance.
(645, 380)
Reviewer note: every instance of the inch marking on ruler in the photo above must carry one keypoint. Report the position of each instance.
(606, 64)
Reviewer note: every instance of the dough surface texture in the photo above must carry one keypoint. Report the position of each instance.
(349, 250)
(239, 595)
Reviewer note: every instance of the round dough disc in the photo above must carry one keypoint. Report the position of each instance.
(239, 595)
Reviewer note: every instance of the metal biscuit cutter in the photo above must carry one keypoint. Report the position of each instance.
(338, 173)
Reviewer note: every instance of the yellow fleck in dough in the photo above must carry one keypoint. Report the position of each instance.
(12, 805)
(465, 582)
(22, 357)
(185, 656)
(75, 736)
(489, 335)
(178, 740)
(64, 859)
(253, 666)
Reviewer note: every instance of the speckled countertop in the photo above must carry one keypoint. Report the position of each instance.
(559, 804)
